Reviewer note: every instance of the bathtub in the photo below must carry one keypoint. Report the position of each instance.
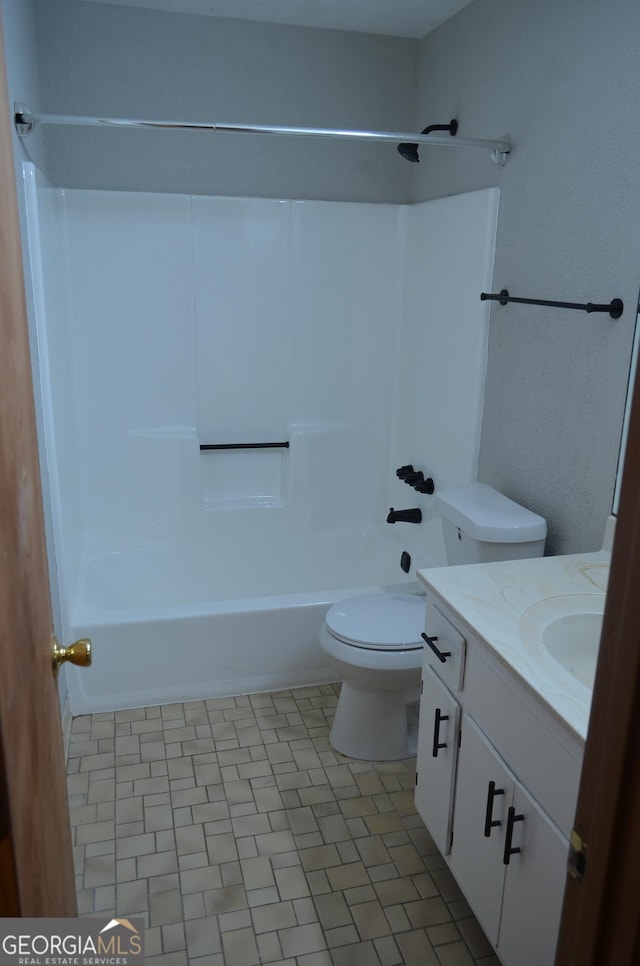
(167, 625)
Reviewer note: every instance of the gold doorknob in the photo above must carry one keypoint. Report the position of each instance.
(77, 653)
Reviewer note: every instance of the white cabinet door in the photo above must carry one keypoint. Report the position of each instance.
(484, 793)
(436, 761)
(534, 887)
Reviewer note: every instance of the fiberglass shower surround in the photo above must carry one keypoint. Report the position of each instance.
(198, 572)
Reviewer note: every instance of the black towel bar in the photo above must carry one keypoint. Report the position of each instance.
(615, 307)
(283, 445)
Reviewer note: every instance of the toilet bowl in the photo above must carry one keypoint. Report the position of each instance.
(374, 641)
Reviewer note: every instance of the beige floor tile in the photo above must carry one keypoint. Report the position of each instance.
(291, 882)
(416, 948)
(262, 897)
(225, 899)
(269, 948)
(321, 857)
(474, 937)
(455, 954)
(200, 880)
(383, 823)
(168, 959)
(446, 932)
(165, 908)
(397, 919)
(333, 828)
(277, 915)
(407, 859)
(388, 952)
(333, 910)
(305, 910)
(347, 876)
(99, 870)
(373, 850)
(370, 920)
(240, 948)
(274, 842)
(244, 837)
(341, 936)
(427, 912)
(173, 937)
(203, 937)
(447, 885)
(302, 939)
(240, 919)
(358, 954)
(158, 863)
(158, 817)
(425, 885)
(393, 891)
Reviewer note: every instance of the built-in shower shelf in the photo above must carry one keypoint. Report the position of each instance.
(243, 474)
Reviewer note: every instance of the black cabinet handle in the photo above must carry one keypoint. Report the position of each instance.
(437, 744)
(512, 818)
(441, 655)
(489, 821)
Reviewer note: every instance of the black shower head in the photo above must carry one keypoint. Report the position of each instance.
(409, 151)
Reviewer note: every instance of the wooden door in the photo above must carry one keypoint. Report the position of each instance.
(36, 865)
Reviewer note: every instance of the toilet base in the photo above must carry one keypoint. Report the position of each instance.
(375, 725)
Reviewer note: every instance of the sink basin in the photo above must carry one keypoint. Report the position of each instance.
(568, 627)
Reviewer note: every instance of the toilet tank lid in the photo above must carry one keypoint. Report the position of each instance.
(484, 514)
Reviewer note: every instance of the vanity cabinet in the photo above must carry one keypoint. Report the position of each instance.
(496, 785)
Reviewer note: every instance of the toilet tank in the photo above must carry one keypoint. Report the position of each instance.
(481, 525)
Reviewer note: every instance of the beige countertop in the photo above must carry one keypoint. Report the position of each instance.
(491, 600)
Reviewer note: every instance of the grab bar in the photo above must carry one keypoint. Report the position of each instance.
(283, 445)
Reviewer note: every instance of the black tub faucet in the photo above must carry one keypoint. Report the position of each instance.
(405, 516)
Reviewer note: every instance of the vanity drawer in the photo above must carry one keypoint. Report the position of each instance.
(444, 648)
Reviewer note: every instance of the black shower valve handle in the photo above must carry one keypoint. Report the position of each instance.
(403, 471)
(426, 486)
(413, 479)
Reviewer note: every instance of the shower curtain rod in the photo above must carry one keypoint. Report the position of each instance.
(26, 120)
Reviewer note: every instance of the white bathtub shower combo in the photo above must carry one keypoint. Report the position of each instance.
(201, 572)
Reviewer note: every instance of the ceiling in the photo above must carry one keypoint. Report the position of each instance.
(399, 18)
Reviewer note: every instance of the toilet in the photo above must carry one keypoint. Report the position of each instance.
(374, 640)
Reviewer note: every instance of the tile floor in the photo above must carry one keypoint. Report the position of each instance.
(242, 838)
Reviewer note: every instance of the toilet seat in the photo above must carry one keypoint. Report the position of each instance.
(386, 622)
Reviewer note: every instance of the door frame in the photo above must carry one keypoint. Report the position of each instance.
(36, 859)
(601, 913)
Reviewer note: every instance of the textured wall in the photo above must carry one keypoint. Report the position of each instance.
(562, 79)
(99, 59)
